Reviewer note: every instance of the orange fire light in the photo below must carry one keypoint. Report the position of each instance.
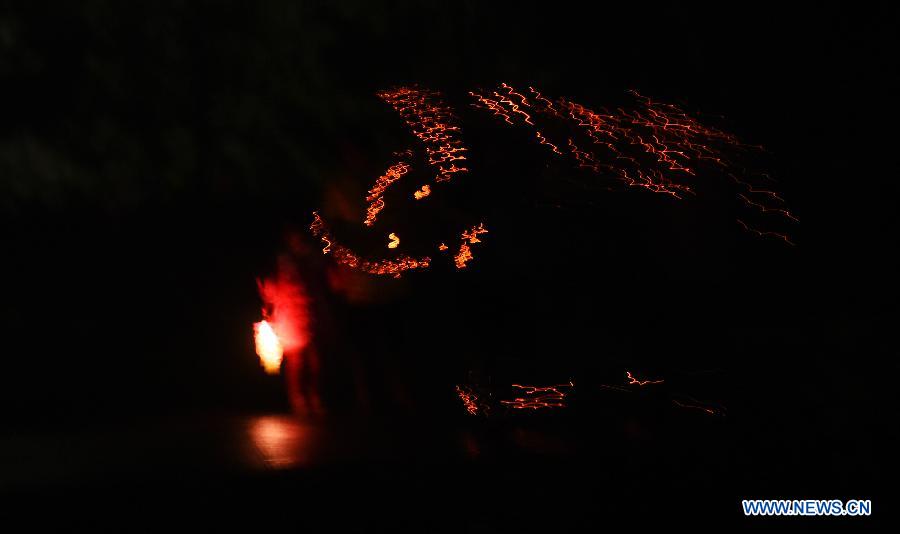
(268, 347)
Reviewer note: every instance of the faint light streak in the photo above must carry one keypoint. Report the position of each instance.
(539, 397)
(694, 404)
(633, 381)
(469, 399)
(617, 388)
(766, 209)
(776, 235)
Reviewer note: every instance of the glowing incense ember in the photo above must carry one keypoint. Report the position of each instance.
(394, 240)
(632, 381)
(539, 398)
(268, 347)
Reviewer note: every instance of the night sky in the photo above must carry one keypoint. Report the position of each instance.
(156, 158)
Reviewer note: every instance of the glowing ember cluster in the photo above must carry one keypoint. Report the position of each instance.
(533, 398)
(434, 124)
(469, 237)
(650, 145)
(655, 146)
(345, 256)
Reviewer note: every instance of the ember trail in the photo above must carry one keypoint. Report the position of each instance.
(650, 146)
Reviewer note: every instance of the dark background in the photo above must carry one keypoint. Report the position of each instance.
(154, 156)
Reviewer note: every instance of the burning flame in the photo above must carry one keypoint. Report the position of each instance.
(284, 327)
(268, 347)
(394, 240)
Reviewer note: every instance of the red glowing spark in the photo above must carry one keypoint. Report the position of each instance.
(469, 399)
(539, 398)
(394, 240)
(696, 405)
(617, 388)
(632, 381)
(765, 234)
(423, 192)
(442, 247)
